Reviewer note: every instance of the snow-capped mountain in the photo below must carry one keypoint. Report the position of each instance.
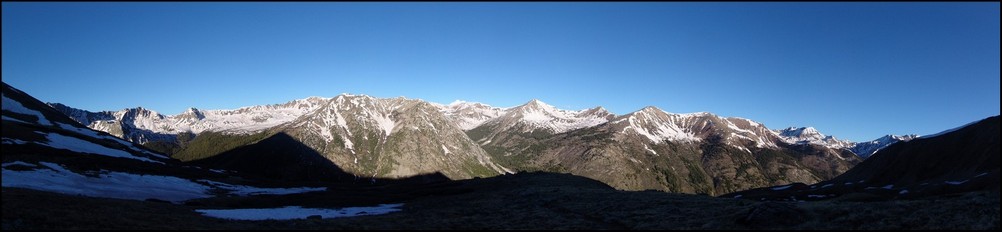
(396, 137)
(866, 149)
(659, 126)
(144, 125)
(537, 117)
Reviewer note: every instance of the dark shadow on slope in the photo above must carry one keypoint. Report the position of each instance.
(279, 157)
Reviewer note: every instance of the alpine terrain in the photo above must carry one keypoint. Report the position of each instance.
(399, 137)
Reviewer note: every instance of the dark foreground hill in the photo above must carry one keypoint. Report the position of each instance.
(520, 201)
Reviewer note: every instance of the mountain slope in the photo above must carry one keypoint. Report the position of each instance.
(391, 138)
(45, 150)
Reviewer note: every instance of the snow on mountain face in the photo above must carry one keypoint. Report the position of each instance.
(361, 112)
(750, 130)
(390, 137)
(809, 135)
(659, 126)
(537, 115)
(469, 115)
(152, 125)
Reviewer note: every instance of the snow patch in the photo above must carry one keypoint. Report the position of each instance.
(244, 190)
(95, 134)
(781, 187)
(83, 146)
(296, 212)
(650, 150)
(5, 118)
(386, 124)
(22, 163)
(109, 184)
(16, 107)
(956, 182)
(13, 141)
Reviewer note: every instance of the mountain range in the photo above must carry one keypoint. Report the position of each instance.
(58, 173)
(400, 137)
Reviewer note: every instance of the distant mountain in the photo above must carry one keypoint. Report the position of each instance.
(957, 160)
(805, 135)
(865, 149)
(143, 125)
(469, 115)
(809, 135)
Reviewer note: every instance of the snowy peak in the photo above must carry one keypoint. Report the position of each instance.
(801, 133)
(192, 114)
(866, 149)
(598, 112)
(651, 109)
(537, 115)
(809, 135)
(469, 115)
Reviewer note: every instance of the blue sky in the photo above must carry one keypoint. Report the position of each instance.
(853, 70)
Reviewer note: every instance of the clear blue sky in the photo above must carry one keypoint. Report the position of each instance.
(853, 70)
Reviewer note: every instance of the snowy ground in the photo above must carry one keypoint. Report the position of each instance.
(54, 178)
